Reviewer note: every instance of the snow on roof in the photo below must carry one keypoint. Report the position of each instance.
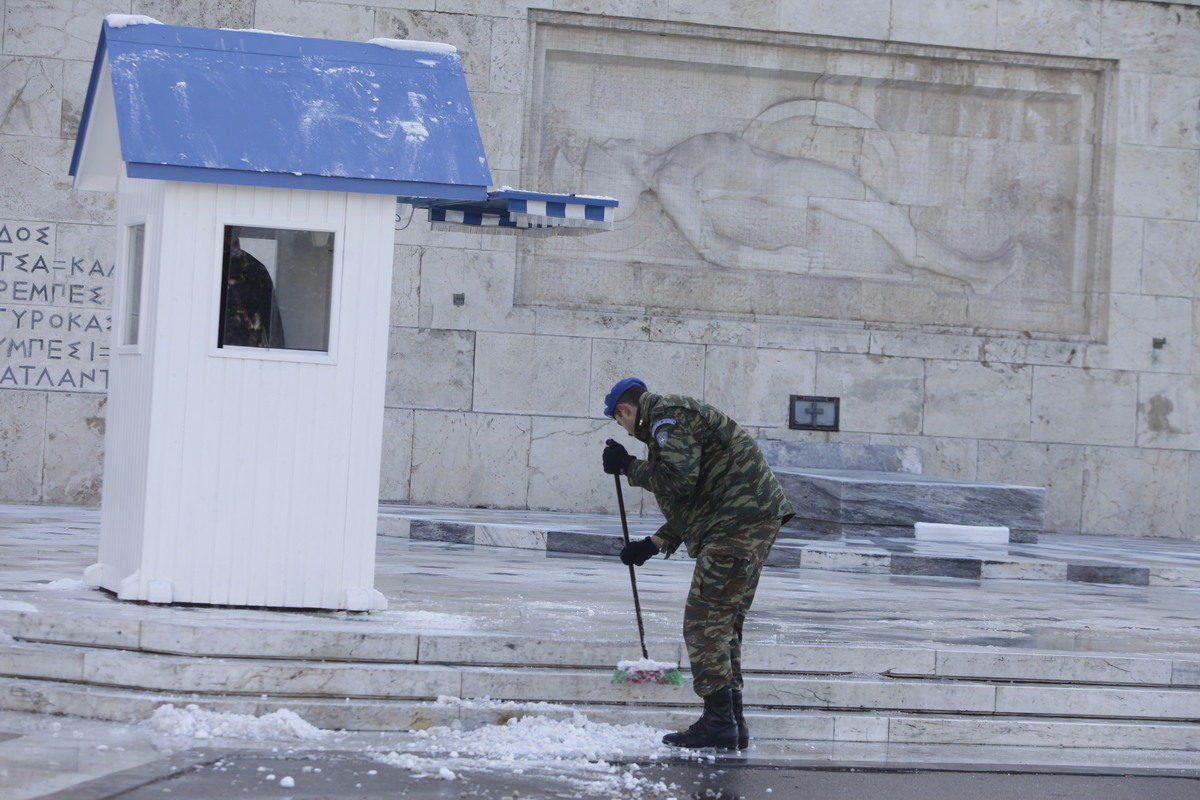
(125, 20)
(409, 44)
(257, 108)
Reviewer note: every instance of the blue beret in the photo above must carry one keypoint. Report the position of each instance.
(619, 388)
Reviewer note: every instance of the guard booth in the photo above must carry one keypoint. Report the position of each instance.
(257, 178)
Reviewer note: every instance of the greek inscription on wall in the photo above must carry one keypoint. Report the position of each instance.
(55, 313)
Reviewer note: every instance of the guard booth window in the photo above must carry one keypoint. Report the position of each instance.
(276, 288)
(132, 325)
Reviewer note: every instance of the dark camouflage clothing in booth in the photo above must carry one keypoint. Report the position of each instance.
(249, 310)
(724, 503)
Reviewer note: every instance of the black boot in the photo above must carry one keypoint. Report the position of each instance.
(715, 728)
(740, 718)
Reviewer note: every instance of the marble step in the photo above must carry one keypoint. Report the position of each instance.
(818, 728)
(768, 724)
(336, 642)
(289, 678)
(835, 504)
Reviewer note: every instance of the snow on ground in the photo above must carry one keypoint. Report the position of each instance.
(585, 755)
(65, 584)
(16, 605)
(589, 758)
(194, 722)
(430, 620)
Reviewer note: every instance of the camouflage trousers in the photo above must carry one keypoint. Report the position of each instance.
(723, 585)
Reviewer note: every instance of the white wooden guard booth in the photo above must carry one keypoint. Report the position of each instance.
(257, 177)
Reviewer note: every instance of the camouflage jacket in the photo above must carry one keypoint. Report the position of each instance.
(707, 473)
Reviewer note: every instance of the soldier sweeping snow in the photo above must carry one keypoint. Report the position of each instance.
(722, 501)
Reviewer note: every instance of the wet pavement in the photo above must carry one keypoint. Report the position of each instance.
(206, 774)
(437, 586)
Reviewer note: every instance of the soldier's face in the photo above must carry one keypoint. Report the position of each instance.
(626, 417)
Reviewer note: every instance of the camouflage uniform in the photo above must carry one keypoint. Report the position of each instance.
(723, 502)
(249, 307)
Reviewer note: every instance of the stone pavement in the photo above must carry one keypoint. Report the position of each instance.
(1055, 557)
(300, 774)
(870, 666)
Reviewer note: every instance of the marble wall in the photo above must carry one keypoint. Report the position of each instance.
(976, 223)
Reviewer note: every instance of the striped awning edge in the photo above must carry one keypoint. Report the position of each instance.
(515, 211)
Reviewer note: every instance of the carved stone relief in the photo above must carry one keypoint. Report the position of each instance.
(831, 179)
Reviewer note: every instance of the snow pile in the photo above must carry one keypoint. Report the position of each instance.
(16, 605)
(125, 20)
(414, 131)
(576, 751)
(197, 723)
(66, 584)
(410, 44)
(588, 758)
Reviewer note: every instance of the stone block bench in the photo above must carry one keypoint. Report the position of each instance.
(856, 490)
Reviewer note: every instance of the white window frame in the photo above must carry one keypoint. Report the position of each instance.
(127, 298)
(278, 353)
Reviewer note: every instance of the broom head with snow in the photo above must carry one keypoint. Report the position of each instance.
(647, 671)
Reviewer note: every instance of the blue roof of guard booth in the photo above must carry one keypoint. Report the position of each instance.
(267, 109)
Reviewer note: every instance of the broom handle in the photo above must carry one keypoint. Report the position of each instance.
(637, 604)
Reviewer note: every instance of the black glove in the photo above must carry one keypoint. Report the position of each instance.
(616, 458)
(636, 553)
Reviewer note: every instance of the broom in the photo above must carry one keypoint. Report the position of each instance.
(645, 670)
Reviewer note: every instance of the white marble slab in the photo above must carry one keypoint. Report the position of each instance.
(817, 727)
(1186, 673)
(829, 658)
(589, 687)
(955, 391)
(820, 557)
(966, 534)
(278, 678)
(1099, 702)
(465, 458)
(1175, 576)
(429, 369)
(882, 396)
(74, 448)
(1159, 502)
(397, 527)
(1059, 394)
(263, 641)
(876, 694)
(23, 430)
(520, 373)
(1041, 733)
(971, 23)
(72, 628)
(1056, 668)
(510, 536)
(1026, 570)
(32, 661)
(554, 652)
(754, 385)
(564, 456)
(860, 729)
